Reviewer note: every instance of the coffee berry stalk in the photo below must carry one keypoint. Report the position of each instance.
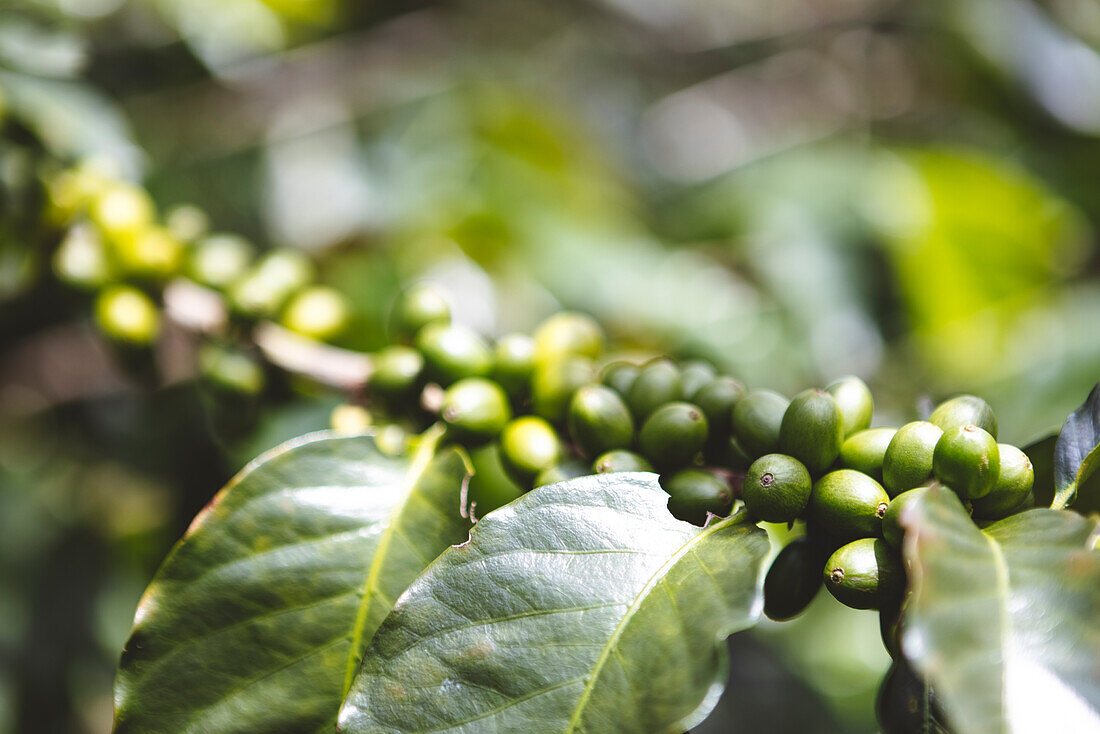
(547, 407)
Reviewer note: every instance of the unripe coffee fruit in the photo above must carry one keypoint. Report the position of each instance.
(811, 430)
(776, 488)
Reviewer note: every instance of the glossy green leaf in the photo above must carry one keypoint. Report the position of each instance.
(257, 620)
(1077, 453)
(583, 606)
(1004, 623)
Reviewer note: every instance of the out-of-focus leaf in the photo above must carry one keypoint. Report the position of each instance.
(221, 32)
(71, 119)
(1003, 622)
(17, 266)
(258, 618)
(976, 244)
(29, 47)
(582, 606)
(1076, 454)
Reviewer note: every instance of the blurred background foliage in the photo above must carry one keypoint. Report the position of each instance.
(794, 190)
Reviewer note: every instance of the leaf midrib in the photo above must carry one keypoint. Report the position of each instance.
(423, 456)
(1005, 620)
(652, 583)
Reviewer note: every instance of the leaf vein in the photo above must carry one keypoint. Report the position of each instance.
(656, 579)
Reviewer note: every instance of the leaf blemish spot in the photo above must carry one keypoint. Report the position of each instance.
(480, 651)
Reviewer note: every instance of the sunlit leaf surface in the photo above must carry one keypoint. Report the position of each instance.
(257, 620)
(581, 607)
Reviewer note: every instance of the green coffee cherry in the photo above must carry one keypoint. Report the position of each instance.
(673, 435)
(968, 461)
(72, 191)
(793, 580)
(151, 252)
(127, 315)
(848, 504)
(562, 472)
(907, 462)
(475, 409)
(528, 446)
(992, 511)
(514, 363)
(555, 382)
(619, 376)
(906, 705)
(230, 370)
(965, 410)
(348, 418)
(856, 404)
(756, 420)
(864, 574)
(568, 334)
(121, 211)
(811, 430)
(776, 488)
(1013, 491)
(397, 372)
(266, 287)
(727, 453)
(415, 308)
(287, 269)
(231, 384)
(186, 222)
(217, 261)
(658, 382)
(693, 493)
(889, 626)
(490, 486)
(620, 460)
(319, 312)
(892, 530)
(599, 421)
(716, 399)
(693, 375)
(453, 352)
(81, 259)
(864, 451)
(254, 297)
(392, 440)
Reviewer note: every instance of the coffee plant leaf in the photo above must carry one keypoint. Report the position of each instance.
(1077, 453)
(258, 618)
(583, 606)
(1004, 623)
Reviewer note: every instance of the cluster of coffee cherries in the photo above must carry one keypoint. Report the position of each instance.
(115, 245)
(818, 461)
(539, 408)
